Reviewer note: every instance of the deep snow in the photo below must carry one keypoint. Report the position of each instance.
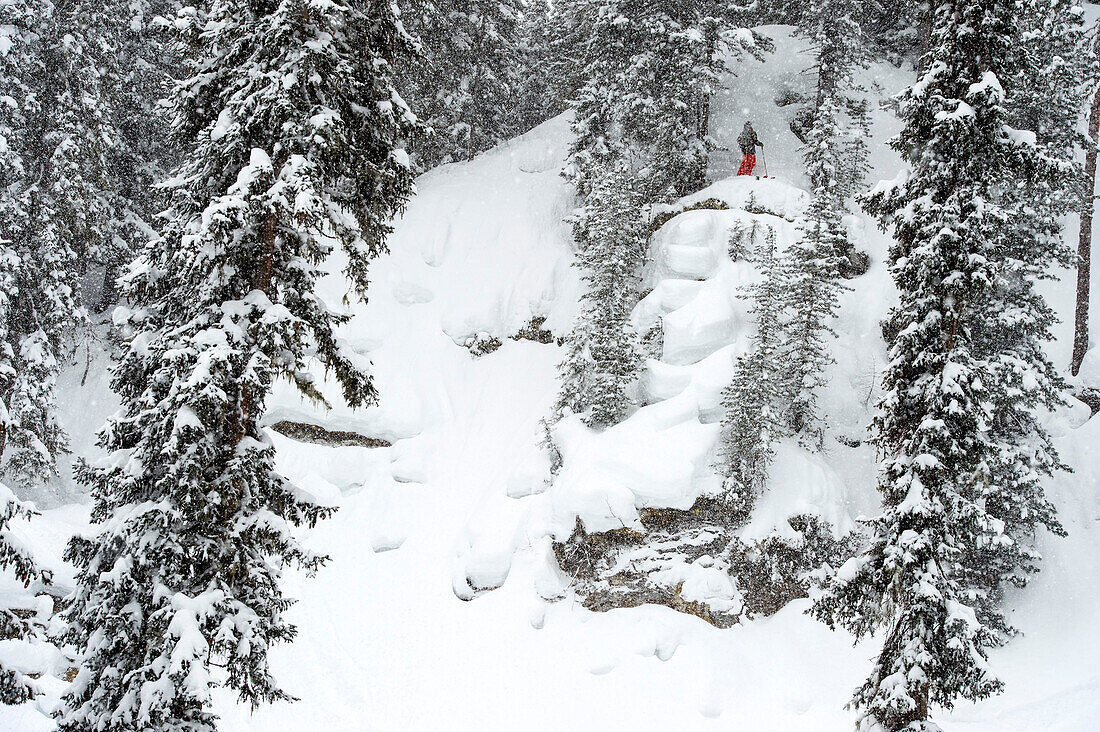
(459, 504)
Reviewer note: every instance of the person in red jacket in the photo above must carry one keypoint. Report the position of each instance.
(748, 141)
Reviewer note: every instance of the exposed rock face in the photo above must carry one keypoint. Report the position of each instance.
(321, 436)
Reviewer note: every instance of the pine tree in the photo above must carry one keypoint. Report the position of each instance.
(466, 86)
(597, 55)
(53, 214)
(895, 30)
(647, 72)
(1044, 99)
(890, 27)
(601, 359)
(1057, 49)
(569, 32)
(836, 161)
(292, 127)
(129, 43)
(15, 687)
(942, 546)
(814, 298)
(540, 90)
(756, 399)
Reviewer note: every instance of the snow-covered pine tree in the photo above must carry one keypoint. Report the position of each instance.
(647, 73)
(815, 287)
(540, 91)
(21, 63)
(466, 85)
(569, 40)
(18, 60)
(53, 214)
(671, 79)
(839, 164)
(890, 27)
(894, 29)
(602, 359)
(757, 396)
(15, 687)
(293, 132)
(1054, 66)
(1056, 47)
(923, 575)
(597, 130)
(836, 161)
(129, 41)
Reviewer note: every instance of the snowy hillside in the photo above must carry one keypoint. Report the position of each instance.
(443, 606)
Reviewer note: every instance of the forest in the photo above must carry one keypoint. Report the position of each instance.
(464, 364)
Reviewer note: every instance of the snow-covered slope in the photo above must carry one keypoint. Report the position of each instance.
(400, 632)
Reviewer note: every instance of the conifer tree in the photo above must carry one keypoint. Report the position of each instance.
(598, 55)
(755, 400)
(128, 40)
(647, 72)
(1056, 48)
(601, 359)
(540, 88)
(15, 687)
(1044, 98)
(1088, 209)
(836, 160)
(293, 131)
(569, 37)
(942, 546)
(53, 214)
(890, 27)
(814, 293)
(466, 85)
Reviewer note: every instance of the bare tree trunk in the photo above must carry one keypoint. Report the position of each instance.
(1084, 245)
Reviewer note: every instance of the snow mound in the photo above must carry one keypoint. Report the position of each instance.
(800, 483)
(750, 193)
(663, 456)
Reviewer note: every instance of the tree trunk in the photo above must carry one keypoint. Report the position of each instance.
(261, 280)
(1084, 244)
(922, 704)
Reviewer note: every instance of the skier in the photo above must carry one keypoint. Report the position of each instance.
(748, 141)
